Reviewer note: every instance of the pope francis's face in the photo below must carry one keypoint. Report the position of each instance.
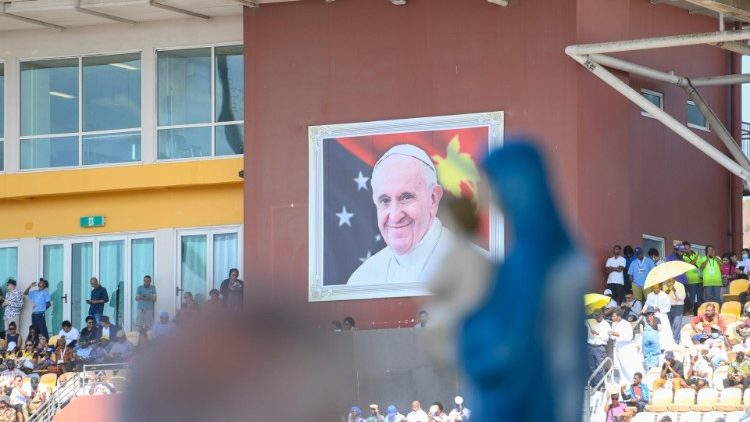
(406, 205)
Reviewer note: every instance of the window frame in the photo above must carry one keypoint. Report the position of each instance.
(705, 128)
(80, 134)
(655, 239)
(209, 232)
(13, 244)
(213, 124)
(656, 93)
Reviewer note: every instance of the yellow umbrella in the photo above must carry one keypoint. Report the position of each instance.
(594, 301)
(665, 271)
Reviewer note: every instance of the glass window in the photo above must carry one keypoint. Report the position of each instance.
(49, 97)
(109, 127)
(112, 277)
(141, 265)
(200, 102)
(695, 117)
(52, 270)
(225, 256)
(111, 92)
(657, 98)
(8, 263)
(2, 117)
(82, 269)
(193, 266)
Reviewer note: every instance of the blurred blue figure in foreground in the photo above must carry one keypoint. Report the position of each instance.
(523, 346)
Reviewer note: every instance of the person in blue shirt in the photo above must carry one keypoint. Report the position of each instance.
(638, 271)
(99, 297)
(637, 393)
(40, 299)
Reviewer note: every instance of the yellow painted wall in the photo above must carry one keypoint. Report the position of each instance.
(132, 198)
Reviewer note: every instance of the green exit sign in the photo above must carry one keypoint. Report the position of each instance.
(92, 221)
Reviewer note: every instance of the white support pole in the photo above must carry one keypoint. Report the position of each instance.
(722, 80)
(734, 46)
(662, 116)
(629, 67)
(661, 42)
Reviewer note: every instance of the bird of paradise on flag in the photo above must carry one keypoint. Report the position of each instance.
(455, 153)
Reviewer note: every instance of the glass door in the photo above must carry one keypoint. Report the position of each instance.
(54, 266)
(82, 269)
(112, 278)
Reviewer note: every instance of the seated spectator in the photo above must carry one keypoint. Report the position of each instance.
(90, 333)
(70, 334)
(10, 373)
(636, 394)
(460, 412)
(107, 331)
(102, 389)
(7, 413)
(610, 307)
(375, 415)
(33, 335)
(42, 347)
(12, 336)
(214, 302)
(417, 414)
(62, 357)
(616, 409)
(670, 369)
(28, 350)
(717, 351)
(121, 349)
(349, 324)
(394, 415)
(336, 326)
(437, 414)
(37, 397)
(739, 372)
(704, 324)
(633, 307)
(355, 415)
(164, 327)
(19, 397)
(188, 310)
(696, 373)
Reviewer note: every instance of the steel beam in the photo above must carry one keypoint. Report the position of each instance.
(175, 9)
(4, 13)
(81, 9)
(661, 42)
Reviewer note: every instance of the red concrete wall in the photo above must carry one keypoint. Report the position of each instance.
(312, 63)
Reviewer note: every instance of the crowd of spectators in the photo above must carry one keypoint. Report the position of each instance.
(683, 358)
(435, 413)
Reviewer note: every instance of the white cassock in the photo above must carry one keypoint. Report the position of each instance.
(627, 355)
(417, 266)
(663, 304)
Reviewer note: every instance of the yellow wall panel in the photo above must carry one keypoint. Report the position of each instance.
(134, 210)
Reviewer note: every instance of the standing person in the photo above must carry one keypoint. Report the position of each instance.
(598, 337)
(355, 415)
(40, 299)
(615, 269)
(615, 409)
(710, 267)
(423, 317)
(677, 294)
(694, 286)
(654, 255)
(633, 306)
(460, 412)
(638, 271)
(145, 295)
(12, 304)
(629, 255)
(437, 414)
(99, 297)
(233, 290)
(743, 265)
(661, 302)
(625, 352)
(416, 414)
(375, 415)
(650, 346)
(676, 255)
(394, 415)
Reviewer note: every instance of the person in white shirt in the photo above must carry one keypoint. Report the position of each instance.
(417, 414)
(70, 333)
(661, 302)
(615, 269)
(626, 353)
(437, 414)
(598, 337)
(610, 307)
(423, 317)
(697, 371)
(19, 397)
(677, 294)
(460, 412)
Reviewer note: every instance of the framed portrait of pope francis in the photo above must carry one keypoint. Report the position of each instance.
(376, 225)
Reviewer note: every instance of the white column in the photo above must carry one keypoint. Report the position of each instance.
(165, 271)
(29, 270)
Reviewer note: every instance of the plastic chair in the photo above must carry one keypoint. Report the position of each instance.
(652, 375)
(730, 400)
(52, 341)
(660, 399)
(720, 374)
(671, 415)
(735, 288)
(690, 417)
(728, 318)
(707, 399)
(644, 417)
(49, 379)
(683, 399)
(734, 416)
(732, 307)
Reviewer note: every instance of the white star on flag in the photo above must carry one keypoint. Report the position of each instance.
(365, 258)
(361, 181)
(344, 217)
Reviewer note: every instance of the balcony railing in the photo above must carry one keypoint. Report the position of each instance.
(745, 139)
